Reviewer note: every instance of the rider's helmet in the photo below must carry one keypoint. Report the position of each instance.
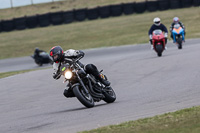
(56, 53)
(156, 21)
(37, 50)
(176, 19)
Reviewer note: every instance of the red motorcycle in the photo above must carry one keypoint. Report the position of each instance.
(158, 40)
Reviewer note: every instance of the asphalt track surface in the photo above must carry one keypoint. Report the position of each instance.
(145, 85)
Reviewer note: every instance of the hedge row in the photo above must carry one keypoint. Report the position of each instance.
(65, 17)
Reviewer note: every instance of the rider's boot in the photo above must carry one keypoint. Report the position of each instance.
(92, 69)
(165, 47)
(152, 47)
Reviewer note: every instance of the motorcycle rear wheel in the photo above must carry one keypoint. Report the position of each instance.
(38, 63)
(83, 97)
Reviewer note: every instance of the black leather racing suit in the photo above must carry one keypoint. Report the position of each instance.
(89, 68)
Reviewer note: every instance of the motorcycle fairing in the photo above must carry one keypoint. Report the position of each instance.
(178, 32)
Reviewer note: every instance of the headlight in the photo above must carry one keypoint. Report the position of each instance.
(68, 74)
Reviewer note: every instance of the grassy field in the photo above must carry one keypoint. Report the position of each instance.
(64, 5)
(183, 121)
(114, 31)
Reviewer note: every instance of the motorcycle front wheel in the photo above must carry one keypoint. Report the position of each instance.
(83, 97)
(159, 50)
(109, 94)
(179, 41)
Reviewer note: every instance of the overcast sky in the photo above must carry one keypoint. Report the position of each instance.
(16, 3)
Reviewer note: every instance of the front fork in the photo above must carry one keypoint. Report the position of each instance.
(82, 84)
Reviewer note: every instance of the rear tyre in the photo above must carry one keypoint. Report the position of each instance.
(109, 94)
(38, 63)
(83, 97)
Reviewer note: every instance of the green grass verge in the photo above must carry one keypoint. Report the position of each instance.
(183, 121)
(114, 31)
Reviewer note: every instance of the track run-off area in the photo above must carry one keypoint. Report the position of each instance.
(145, 84)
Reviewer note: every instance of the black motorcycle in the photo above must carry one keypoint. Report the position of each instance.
(42, 58)
(84, 86)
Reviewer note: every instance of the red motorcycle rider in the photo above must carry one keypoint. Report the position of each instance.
(156, 26)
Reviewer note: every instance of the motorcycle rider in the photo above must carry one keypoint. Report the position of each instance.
(37, 53)
(158, 25)
(176, 21)
(59, 57)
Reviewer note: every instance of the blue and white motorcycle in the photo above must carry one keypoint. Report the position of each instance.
(178, 34)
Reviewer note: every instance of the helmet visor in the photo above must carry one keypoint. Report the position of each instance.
(158, 22)
(55, 57)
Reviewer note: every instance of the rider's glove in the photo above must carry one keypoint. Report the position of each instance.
(166, 35)
(81, 53)
(150, 36)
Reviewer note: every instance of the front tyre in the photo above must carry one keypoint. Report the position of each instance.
(179, 41)
(159, 54)
(83, 97)
(159, 50)
(109, 94)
